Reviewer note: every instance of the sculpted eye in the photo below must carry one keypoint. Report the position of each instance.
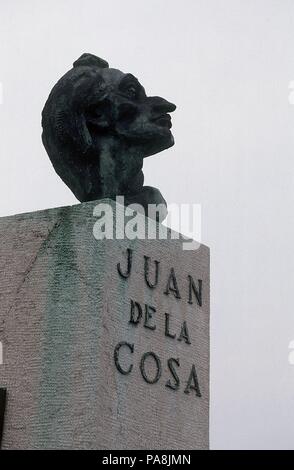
(131, 91)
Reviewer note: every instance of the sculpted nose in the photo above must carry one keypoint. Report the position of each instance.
(160, 105)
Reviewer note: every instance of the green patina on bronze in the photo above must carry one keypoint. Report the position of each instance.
(62, 306)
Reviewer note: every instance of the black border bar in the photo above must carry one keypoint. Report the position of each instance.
(2, 410)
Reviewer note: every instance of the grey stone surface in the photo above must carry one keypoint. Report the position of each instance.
(64, 308)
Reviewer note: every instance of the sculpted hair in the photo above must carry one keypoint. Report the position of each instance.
(65, 135)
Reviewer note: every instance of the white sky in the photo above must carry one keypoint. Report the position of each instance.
(227, 65)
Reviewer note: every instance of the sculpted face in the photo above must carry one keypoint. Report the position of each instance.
(124, 110)
(98, 125)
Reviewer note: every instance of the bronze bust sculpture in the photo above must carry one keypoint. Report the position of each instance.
(98, 126)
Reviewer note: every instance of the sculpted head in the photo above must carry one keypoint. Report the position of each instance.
(98, 125)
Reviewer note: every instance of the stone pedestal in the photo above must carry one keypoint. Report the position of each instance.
(97, 352)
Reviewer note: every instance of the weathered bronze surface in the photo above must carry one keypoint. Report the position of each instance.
(98, 126)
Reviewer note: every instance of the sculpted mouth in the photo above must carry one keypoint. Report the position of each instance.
(164, 120)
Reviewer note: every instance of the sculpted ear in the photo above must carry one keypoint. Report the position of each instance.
(82, 135)
(69, 126)
(87, 84)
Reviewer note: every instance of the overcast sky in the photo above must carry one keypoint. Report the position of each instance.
(227, 64)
